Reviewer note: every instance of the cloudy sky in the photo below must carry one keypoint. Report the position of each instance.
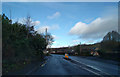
(68, 22)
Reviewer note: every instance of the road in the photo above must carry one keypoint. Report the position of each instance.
(56, 65)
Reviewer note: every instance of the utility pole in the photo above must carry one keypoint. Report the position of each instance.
(46, 34)
(46, 38)
(118, 21)
(68, 48)
(80, 47)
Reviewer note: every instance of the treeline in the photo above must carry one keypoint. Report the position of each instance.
(108, 48)
(21, 44)
(84, 50)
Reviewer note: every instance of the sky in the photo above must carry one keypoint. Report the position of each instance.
(70, 23)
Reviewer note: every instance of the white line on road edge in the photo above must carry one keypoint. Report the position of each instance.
(91, 67)
(87, 69)
(43, 65)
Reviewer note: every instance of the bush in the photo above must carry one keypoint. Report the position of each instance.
(21, 43)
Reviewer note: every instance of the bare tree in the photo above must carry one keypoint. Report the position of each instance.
(28, 23)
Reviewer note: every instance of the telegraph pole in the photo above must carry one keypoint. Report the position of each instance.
(46, 34)
(46, 38)
(118, 21)
(80, 47)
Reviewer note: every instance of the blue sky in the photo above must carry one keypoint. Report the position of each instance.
(69, 22)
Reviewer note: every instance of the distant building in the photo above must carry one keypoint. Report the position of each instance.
(112, 36)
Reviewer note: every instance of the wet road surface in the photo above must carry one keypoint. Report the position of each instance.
(56, 65)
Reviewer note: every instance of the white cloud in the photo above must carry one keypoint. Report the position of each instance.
(36, 22)
(88, 20)
(55, 46)
(41, 29)
(96, 29)
(19, 20)
(54, 42)
(54, 36)
(23, 21)
(55, 15)
(58, 46)
(76, 41)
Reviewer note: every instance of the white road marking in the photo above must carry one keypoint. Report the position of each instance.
(92, 67)
(89, 69)
(43, 65)
(86, 69)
